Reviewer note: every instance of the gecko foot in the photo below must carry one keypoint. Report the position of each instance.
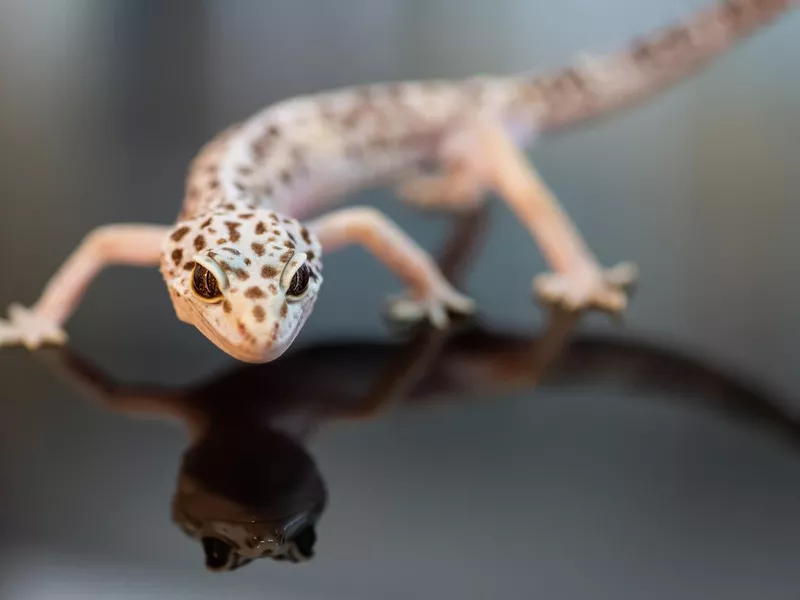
(26, 328)
(433, 307)
(592, 288)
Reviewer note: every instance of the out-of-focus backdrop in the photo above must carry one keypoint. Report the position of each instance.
(104, 102)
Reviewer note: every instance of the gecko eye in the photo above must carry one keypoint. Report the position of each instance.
(205, 285)
(299, 284)
(219, 554)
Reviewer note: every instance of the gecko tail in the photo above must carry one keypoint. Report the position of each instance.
(599, 86)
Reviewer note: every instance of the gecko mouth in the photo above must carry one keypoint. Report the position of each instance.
(243, 350)
(239, 348)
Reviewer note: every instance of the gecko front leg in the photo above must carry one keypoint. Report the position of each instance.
(430, 296)
(124, 244)
(578, 282)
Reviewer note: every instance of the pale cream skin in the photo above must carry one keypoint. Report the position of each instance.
(296, 157)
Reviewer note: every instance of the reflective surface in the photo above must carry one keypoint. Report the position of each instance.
(518, 455)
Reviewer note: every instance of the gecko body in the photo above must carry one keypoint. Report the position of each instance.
(243, 261)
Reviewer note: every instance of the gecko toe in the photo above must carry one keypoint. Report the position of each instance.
(588, 288)
(622, 275)
(435, 308)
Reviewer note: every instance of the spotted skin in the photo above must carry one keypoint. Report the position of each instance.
(255, 216)
(256, 315)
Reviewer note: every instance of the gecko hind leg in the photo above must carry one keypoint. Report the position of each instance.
(456, 189)
(460, 184)
(578, 281)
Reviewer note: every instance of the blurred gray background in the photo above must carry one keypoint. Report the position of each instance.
(104, 102)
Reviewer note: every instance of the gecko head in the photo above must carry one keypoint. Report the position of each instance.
(247, 281)
(240, 507)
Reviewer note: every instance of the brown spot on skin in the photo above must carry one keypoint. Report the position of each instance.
(273, 217)
(287, 221)
(271, 239)
(212, 231)
(381, 143)
(259, 149)
(350, 120)
(242, 329)
(273, 289)
(278, 248)
(241, 274)
(570, 78)
(288, 244)
(641, 51)
(284, 309)
(226, 306)
(273, 131)
(229, 206)
(221, 241)
(179, 234)
(206, 223)
(299, 156)
(258, 248)
(188, 266)
(213, 184)
(177, 256)
(259, 314)
(254, 292)
(199, 243)
(233, 232)
(246, 216)
(677, 36)
(732, 8)
(286, 256)
(269, 272)
(310, 254)
(248, 262)
(305, 235)
(261, 229)
(233, 251)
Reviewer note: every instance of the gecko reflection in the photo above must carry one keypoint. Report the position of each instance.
(248, 487)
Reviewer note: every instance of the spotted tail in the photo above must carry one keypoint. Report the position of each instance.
(609, 83)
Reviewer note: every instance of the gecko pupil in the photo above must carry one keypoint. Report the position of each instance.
(205, 284)
(217, 552)
(299, 282)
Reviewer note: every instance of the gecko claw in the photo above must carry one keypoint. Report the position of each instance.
(601, 289)
(434, 308)
(26, 328)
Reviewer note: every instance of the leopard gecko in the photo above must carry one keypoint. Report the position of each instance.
(243, 261)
